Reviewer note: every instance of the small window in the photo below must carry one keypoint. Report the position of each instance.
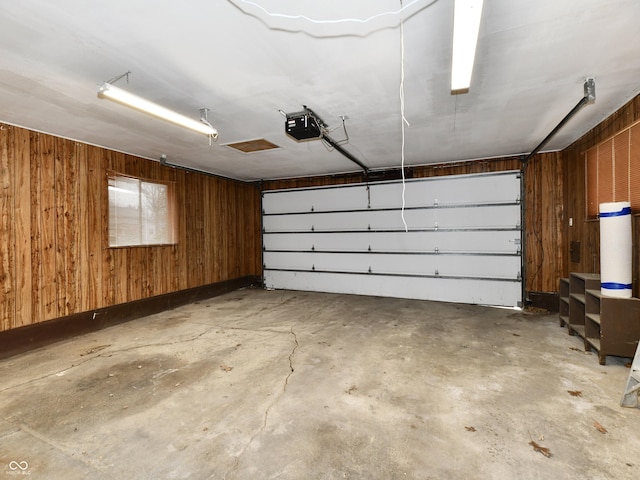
(613, 171)
(141, 212)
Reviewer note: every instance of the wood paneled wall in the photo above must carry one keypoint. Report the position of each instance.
(585, 234)
(54, 254)
(543, 198)
(543, 207)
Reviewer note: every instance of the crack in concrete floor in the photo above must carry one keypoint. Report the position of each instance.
(268, 409)
(108, 354)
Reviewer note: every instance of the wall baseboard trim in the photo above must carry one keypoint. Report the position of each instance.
(23, 339)
(549, 301)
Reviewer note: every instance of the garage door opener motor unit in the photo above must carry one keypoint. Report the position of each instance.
(304, 125)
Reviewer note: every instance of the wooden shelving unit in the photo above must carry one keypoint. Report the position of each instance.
(610, 326)
(579, 283)
(564, 301)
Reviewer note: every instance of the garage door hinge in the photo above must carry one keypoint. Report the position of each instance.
(519, 277)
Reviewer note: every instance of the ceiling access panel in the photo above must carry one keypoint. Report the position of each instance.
(462, 241)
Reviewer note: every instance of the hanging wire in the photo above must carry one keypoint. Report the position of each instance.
(403, 119)
(327, 145)
(344, 128)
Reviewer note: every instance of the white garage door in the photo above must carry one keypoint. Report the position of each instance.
(462, 244)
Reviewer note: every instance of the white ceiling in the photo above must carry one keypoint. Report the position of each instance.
(245, 65)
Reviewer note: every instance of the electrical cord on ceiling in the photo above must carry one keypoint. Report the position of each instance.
(326, 144)
(403, 119)
(341, 20)
(344, 128)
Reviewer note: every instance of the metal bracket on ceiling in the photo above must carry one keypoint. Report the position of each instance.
(115, 79)
(590, 90)
(203, 118)
(589, 97)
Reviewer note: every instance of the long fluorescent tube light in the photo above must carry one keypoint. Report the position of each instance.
(116, 94)
(466, 24)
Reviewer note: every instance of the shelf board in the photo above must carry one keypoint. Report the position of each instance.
(586, 276)
(578, 296)
(594, 342)
(594, 317)
(594, 292)
(564, 320)
(579, 329)
(564, 300)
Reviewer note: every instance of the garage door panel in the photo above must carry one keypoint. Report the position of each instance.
(442, 289)
(479, 241)
(489, 266)
(442, 218)
(459, 227)
(454, 190)
(308, 200)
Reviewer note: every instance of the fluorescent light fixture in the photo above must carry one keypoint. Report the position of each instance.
(116, 94)
(466, 24)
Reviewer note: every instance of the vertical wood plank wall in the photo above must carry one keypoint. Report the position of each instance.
(543, 207)
(54, 254)
(584, 231)
(544, 197)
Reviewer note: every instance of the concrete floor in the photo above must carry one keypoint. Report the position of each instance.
(289, 385)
